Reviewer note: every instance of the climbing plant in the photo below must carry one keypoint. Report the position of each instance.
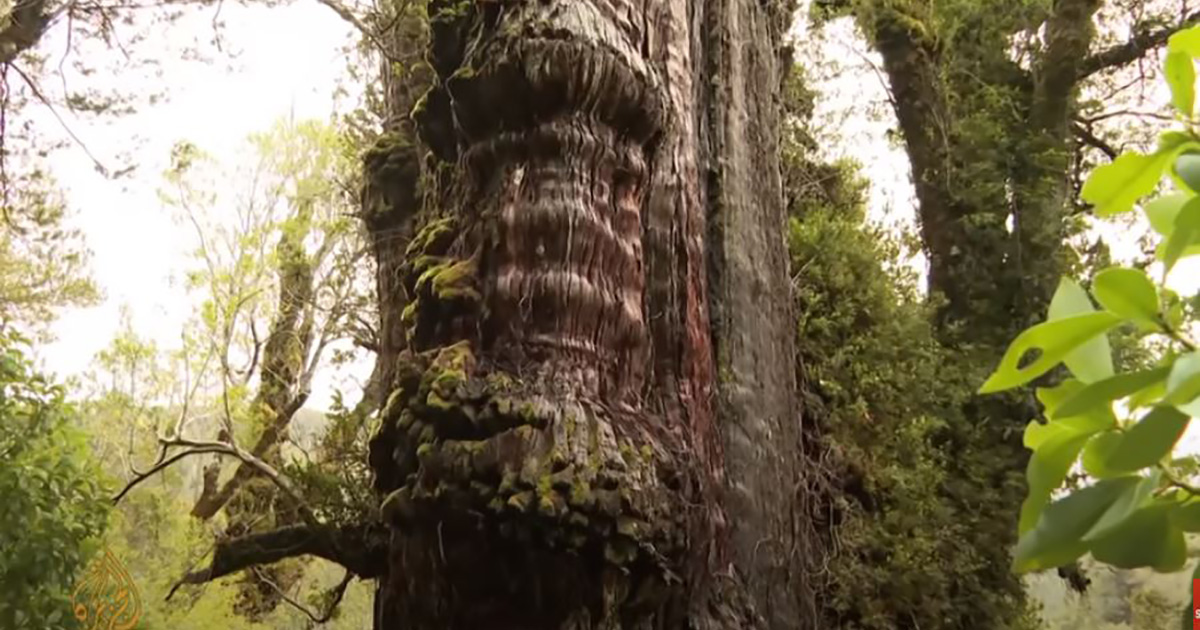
(1122, 428)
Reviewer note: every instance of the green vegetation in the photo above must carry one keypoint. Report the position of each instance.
(54, 507)
(1121, 427)
(917, 449)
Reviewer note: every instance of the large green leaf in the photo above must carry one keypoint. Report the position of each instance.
(1183, 384)
(1098, 452)
(1187, 516)
(1180, 74)
(1186, 41)
(1128, 293)
(1131, 500)
(1146, 538)
(1053, 340)
(1057, 538)
(1037, 433)
(1148, 396)
(1113, 188)
(1101, 394)
(1092, 360)
(1161, 211)
(1150, 440)
(1047, 468)
(1184, 235)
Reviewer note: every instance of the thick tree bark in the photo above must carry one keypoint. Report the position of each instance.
(1042, 177)
(558, 451)
(753, 322)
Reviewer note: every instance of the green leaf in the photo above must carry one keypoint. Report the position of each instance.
(1185, 41)
(1092, 360)
(1047, 468)
(1054, 340)
(1147, 538)
(1113, 188)
(1098, 452)
(1150, 440)
(1056, 540)
(1086, 424)
(1079, 425)
(1148, 396)
(1101, 394)
(1180, 73)
(1131, 500)
(1185, 233)
(1183, 384)
(1161, 211)
(1187, 516)
(1127, 292)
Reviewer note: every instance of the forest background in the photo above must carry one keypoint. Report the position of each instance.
(182, 176)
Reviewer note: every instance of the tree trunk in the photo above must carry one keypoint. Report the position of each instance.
(592, 420)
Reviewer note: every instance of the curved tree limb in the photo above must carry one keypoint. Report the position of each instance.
(249, 461)
(1132, 50)
(360, 549)
(209, 504)
(346, 14)
(1094, 141)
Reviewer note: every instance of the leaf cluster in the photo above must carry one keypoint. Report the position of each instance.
(54, 502)
(1120, 428)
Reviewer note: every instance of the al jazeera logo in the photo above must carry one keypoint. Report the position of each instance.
(1195, 604)
(106, 598)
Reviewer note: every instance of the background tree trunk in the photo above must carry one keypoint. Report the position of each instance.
(597, 369)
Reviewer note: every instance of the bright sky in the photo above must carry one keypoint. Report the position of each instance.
(286, 60)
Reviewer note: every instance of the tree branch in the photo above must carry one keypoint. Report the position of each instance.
(361, 549)
(338, 592)
(249, 462)
(208, 505)
(346, 14)
(37, 92)
(1092, 140)
(1133, 49)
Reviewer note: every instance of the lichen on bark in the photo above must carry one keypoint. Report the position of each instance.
(550, 455)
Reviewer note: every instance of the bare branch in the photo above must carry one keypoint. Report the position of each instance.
(1092, 140)
(248, 460)
(1132, 50)
(207, 505)
(1125, 112)
(349, 16)
(33, 86)
(158, 467)
(257, 349)
(338, 592)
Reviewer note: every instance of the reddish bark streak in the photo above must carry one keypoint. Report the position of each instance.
(556, 424)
